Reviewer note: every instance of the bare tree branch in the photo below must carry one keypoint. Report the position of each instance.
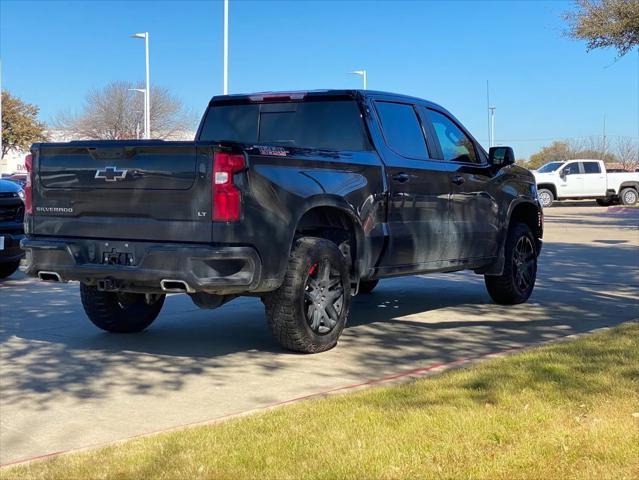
(116, 112)
(605, 23)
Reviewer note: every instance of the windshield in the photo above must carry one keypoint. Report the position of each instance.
(550, 167)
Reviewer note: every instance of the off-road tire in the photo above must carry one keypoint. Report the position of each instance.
(367, 286)
(504, 288)
(285, 307)
(119, 313)
(8, 269)
(629, 196)
(544, 194)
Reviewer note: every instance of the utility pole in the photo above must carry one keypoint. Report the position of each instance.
(226, 47)
(492, 125)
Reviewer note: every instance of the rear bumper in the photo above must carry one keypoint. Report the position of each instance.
(211, 269)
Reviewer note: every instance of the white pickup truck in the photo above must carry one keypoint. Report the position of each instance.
(581, 179)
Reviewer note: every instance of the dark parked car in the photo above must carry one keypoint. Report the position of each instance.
(303, 199)
(11, 227)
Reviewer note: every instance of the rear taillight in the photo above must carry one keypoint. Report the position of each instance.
(28, 189)
(227, 199)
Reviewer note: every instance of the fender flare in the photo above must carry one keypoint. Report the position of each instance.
(497, 267)
(337, 202)
(628, 184)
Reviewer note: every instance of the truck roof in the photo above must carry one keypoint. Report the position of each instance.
(299, 94)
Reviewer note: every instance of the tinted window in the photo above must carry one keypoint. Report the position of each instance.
(550, 167)
(571, 169)
(402, 129)
(455, 144)
(591, 167)
(326, 125)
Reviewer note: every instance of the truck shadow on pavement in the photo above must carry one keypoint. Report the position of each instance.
(50, 350)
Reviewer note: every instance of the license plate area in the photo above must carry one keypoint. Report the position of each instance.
(114, 253)
(117, 258)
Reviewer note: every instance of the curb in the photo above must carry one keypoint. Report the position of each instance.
(398, 378)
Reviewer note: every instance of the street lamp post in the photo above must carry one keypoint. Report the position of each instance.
(226, 47)
(141, 90)
(147, 90)
(361, 73)
(492, 125)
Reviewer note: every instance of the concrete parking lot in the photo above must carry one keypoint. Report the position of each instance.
(65, 384)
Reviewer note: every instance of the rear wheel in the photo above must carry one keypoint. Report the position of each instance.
(629, 196)
(309, 310)
(120, 312)
(517, 281)
(546, 197)
(8, 269)
(367, 286)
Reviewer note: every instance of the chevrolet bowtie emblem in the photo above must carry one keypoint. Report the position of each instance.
(111, 174)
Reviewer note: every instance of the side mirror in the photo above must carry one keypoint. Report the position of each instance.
(501, 156)
(563, 173)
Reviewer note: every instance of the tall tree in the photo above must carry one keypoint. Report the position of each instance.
(116, 112)
(553, 152)
(591, 147)
(605, 23)
(628, 153)
(20, 124)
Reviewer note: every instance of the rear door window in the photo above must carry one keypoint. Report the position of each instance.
(591, 167)
(455, 144)
(402, 129)
(325, 125)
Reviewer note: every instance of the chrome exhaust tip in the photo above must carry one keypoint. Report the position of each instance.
(49, 276)
(175, 286)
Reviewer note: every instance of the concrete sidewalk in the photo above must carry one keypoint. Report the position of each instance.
(64, 384)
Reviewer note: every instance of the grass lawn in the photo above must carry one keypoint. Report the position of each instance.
(566, 410)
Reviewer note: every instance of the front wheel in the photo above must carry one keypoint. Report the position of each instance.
(629, 196)
(546, 197)
(517, 281)
(308, 312)
(120, 312)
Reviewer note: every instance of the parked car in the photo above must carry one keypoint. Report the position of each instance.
(302, 199)
(583, 179)
(19, 178)
(11, 227)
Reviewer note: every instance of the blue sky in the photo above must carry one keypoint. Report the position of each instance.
(544, 86)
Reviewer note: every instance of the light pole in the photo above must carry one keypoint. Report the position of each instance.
(226, 47)
(141, 90)
(492, 125)
(147, 90)
(361, 73)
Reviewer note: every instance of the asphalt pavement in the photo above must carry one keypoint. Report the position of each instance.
(64, 384)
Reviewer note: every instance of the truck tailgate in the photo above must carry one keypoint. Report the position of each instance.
(130, 190)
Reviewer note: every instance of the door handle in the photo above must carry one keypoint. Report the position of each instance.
(401, 177)
(458, 180)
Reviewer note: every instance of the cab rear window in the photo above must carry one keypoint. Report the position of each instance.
(324, 125)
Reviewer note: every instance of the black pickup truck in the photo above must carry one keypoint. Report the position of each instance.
(303, 199)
